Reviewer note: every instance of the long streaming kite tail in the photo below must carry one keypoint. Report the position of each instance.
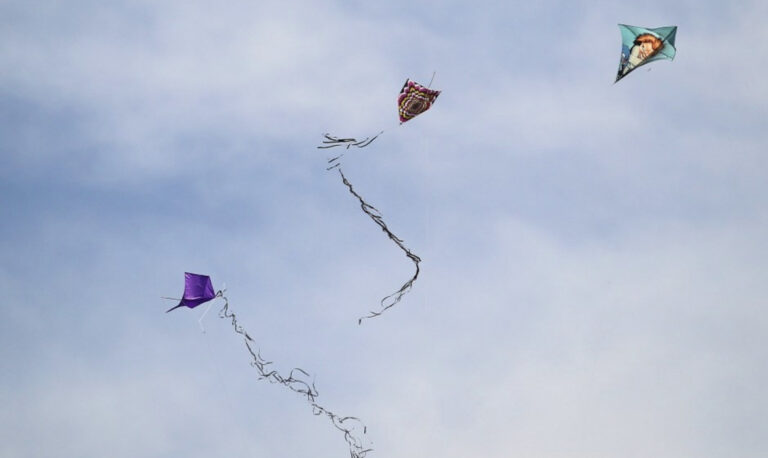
(356, 447)
(296, 382)
(373, 213)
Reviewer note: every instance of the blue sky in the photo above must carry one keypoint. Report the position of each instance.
(594, 255)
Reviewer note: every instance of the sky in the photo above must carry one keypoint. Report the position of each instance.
(594, 255)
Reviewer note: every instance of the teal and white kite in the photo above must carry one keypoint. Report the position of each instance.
(640, 46)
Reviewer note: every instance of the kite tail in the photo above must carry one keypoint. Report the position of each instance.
(295, 382)
(373, 213)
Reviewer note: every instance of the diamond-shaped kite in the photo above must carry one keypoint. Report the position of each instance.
(198, 289)
(640, 46)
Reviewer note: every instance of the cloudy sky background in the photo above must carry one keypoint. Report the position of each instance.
(594, 270)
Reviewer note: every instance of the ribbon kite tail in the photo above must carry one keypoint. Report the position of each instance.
(373, 213)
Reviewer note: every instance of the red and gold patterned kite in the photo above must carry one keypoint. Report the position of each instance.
(413, 100)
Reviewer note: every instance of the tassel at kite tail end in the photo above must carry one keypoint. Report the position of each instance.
(398, 295)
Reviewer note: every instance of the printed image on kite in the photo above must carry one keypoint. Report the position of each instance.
(198, 289)
(640, 46)
(413, 100)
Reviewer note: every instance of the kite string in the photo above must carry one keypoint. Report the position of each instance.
(200, 321)
(388, 301)
(297, 385)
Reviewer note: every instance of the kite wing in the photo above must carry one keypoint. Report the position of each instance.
(414, 99)
(640, 46)
(198, 289)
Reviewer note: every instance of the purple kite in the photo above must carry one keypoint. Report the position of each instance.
(198, 289)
